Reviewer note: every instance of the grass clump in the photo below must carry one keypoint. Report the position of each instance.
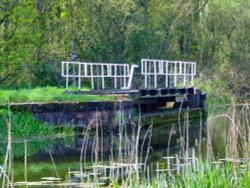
(47, 94)
(26, 127)
(207, 175)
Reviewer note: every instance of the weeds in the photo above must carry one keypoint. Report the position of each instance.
(24, 125)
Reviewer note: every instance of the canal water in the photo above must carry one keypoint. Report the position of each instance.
(147, 145)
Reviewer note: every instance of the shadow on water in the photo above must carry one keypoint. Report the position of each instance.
(144, 145)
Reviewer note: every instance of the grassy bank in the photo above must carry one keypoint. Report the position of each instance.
(25, 127)
(47, 94)
(215, 94)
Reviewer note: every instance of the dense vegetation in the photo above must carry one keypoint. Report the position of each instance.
(25, 127)
(35, 37)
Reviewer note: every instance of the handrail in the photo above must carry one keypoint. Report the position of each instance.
(121, 74)
(175, 72)
(156, 73)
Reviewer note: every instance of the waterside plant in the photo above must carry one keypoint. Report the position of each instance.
(25, 127)
(128, 164)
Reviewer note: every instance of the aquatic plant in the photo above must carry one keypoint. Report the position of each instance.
(128, 165)
(228, 133)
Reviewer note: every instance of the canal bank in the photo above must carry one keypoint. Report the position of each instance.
(170, 101)
(109, 119)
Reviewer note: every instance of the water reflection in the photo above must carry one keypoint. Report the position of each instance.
(153, 145)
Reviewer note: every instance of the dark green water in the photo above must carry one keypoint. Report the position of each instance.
(66, 151)
(169, 138)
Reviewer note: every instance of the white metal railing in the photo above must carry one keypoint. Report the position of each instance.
(120, 74)
(175, 73)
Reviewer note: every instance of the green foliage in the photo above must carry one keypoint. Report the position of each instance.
(46, 94)
(215, 90)
(25, 127)
(35, 37)
(208, 174)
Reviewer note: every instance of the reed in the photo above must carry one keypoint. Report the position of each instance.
(129, 165)
(6, 170)
(232, 128)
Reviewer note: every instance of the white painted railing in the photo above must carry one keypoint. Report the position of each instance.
(120, 74)
(174, 73)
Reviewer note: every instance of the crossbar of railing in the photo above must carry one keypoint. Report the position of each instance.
(178, 72)
(122, 72)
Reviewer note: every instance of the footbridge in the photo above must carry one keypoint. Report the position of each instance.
(156, 73)
(166, 84)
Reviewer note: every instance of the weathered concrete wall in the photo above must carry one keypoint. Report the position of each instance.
(81, 114)
(106, 115)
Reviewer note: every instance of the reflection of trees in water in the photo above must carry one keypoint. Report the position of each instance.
(229, 131)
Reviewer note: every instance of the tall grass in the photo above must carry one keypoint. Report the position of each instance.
(187, 169)
(6, 170)
(25, 127)
(16, 128)
(128, 165)
(229, 132)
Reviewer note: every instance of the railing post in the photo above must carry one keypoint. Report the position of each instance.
(175, 74)
(146, 76)
(79, 76)
(103, 84)
(62, 67)
(166, 84)
(67, 76)
(85, 70)
(124, 76)
(108, 70)
(155, 74)
(115, 76)
(180, 68)
(161, 71)
(192, 73)
(91, 74)
(185, 74)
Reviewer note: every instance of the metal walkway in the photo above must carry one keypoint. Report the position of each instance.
(167, 84)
